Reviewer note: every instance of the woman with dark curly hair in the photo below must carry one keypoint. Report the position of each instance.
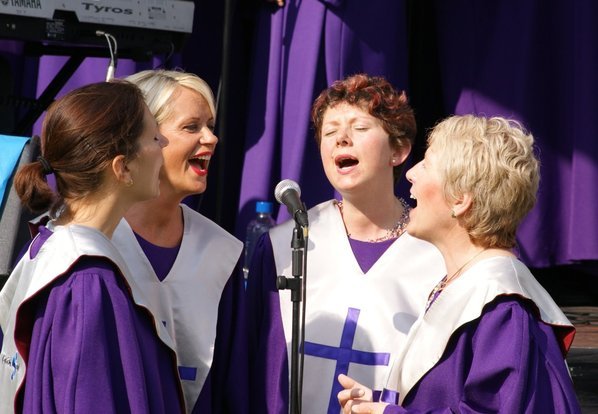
(365, 274)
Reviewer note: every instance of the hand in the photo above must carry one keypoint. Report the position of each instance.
(356, 397)
(368, 408)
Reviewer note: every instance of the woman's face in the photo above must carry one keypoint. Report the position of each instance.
(432, 216)
(191, 143)
(147, 164)
(355, 150)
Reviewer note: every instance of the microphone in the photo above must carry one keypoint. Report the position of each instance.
(287, 192)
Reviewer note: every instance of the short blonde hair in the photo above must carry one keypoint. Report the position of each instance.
(493, 160)
(159, 86)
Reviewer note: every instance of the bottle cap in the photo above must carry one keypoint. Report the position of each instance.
(263, 207)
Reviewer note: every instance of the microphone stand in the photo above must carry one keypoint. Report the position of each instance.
(296, 287)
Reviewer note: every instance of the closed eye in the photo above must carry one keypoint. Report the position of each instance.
(191, 128)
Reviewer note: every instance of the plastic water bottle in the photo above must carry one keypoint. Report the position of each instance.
(262, 222)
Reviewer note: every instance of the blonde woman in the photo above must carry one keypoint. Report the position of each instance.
(186, 264)
(491, 338)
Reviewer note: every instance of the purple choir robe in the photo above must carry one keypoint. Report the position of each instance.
(506, 361)
(266, 346)
(197, 291)
(220, 392)
(91, 349)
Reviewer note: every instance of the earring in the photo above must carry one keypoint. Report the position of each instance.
(129, 183)
(453, 214)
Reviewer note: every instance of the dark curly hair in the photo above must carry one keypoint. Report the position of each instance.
(376, 96)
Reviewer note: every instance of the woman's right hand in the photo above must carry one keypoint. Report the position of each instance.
(353, 393)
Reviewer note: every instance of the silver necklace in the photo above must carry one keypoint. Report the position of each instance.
(392, 233)
(446, 280)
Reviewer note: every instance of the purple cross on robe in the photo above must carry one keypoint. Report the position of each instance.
(344, 355)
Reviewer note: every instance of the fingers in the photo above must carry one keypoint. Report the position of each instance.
(367, 408)
(345, 381)
(347, 408)
(360, 409)
(350, 395)
(357, 393)
(346, 395)
(348, 383)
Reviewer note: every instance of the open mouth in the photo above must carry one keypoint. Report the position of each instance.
(200, 164)
(412, 197)
(345, 161)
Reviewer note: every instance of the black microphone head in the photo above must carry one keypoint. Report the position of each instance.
(284, 186)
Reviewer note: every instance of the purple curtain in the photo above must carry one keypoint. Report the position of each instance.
(535, 61)
(299, 50)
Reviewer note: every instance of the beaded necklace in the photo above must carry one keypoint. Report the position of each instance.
(395, 231)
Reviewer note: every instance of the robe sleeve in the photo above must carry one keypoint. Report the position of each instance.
(266, 345)
(506, 361)
(93, 350)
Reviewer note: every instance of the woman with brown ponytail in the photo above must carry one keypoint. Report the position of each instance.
(76, 335)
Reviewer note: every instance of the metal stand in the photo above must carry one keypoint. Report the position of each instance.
(295, 285)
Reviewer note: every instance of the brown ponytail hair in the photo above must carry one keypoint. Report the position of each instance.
(82, 133)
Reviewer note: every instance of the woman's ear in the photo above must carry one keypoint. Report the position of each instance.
(462, 205)
(121, 171)
(400, 154)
